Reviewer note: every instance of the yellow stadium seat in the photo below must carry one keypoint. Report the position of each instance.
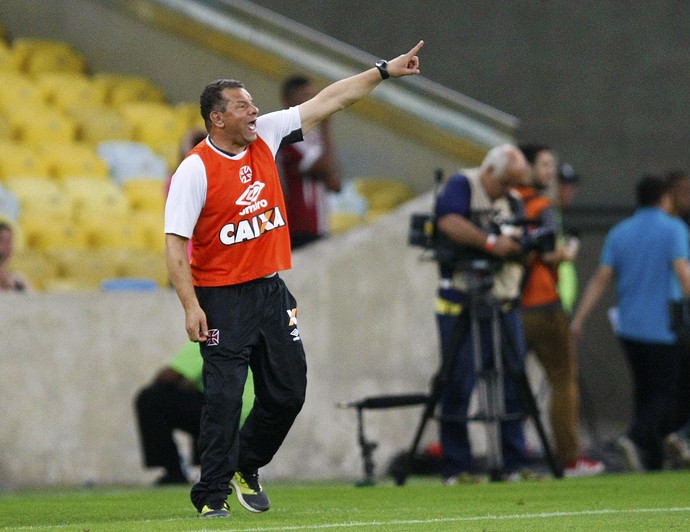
(46, 233)
(169, 152)
(18, 160)
(190, 114)
(383, 193)
(145, 194)
(100, 124)
(123, 88)
(341, 222)
(5, 130)
(119, 233)
(18, 90)
(40, 198)
(35, 265)
(150, 224)
(8, 60)
(154, 123)
(147, 265)
(94, 198)
(46, 126)
(73, 159)
(56, 59)
(71, 284)
(32, 54)
(91, 264)
(67, 90)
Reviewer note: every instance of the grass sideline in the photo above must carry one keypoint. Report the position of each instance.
(651, 501)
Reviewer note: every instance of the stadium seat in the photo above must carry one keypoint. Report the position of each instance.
(131, 160)
(48, 233)
(150, 224)
(190, 114)
(34, 188)
(35, 265)
(85, 263)
(73, 159)
(54, 59)
(8, 60)
(100, 124)
(123, 88)
(383, 193)
(46, 126)
(5, 130)
(18, 90)
(95, 199)
(71, 284)
(129, 284)
(168, 152)
(145, 194)
(148, 265)
(154, 122)
(43, 55)
(105, 233)
(18, 160)
(9, 205)
(67, 90)
(344, 221)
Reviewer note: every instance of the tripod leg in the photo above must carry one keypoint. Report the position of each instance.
(488, 385)
(517, 373)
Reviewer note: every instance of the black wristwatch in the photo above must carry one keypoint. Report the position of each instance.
(383, 68)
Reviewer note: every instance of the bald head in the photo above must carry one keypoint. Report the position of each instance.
(503, 167)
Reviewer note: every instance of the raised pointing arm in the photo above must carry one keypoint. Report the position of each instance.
(345, 92)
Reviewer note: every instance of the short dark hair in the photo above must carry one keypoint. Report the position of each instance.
(212, 98)
(531, 150)
(293, 84)
(649, 190)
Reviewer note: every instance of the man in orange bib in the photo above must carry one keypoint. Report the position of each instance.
(226, 197)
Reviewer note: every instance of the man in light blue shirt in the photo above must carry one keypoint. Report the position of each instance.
(642, 254)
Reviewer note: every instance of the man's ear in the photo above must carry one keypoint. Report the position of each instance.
(217, 119)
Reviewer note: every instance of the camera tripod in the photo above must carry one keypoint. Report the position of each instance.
(483, 310)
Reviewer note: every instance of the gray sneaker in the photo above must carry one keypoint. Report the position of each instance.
(630, 453)
(249, 492)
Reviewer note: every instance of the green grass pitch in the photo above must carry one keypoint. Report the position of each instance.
(652, 501)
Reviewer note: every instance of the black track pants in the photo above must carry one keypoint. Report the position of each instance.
(252, 324)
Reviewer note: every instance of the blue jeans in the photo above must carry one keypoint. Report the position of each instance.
(455, 399)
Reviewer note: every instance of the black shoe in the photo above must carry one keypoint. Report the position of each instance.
(249, 492)
(171, 479)
(217, 509)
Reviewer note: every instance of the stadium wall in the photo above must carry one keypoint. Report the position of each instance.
(72, 363)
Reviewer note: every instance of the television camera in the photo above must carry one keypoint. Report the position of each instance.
(423, 233)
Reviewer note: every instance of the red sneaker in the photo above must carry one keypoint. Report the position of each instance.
(584, 467)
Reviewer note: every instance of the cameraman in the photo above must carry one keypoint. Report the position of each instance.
(545, 323)
(467, 209)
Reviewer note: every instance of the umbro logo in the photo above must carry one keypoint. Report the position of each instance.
(250, 195)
